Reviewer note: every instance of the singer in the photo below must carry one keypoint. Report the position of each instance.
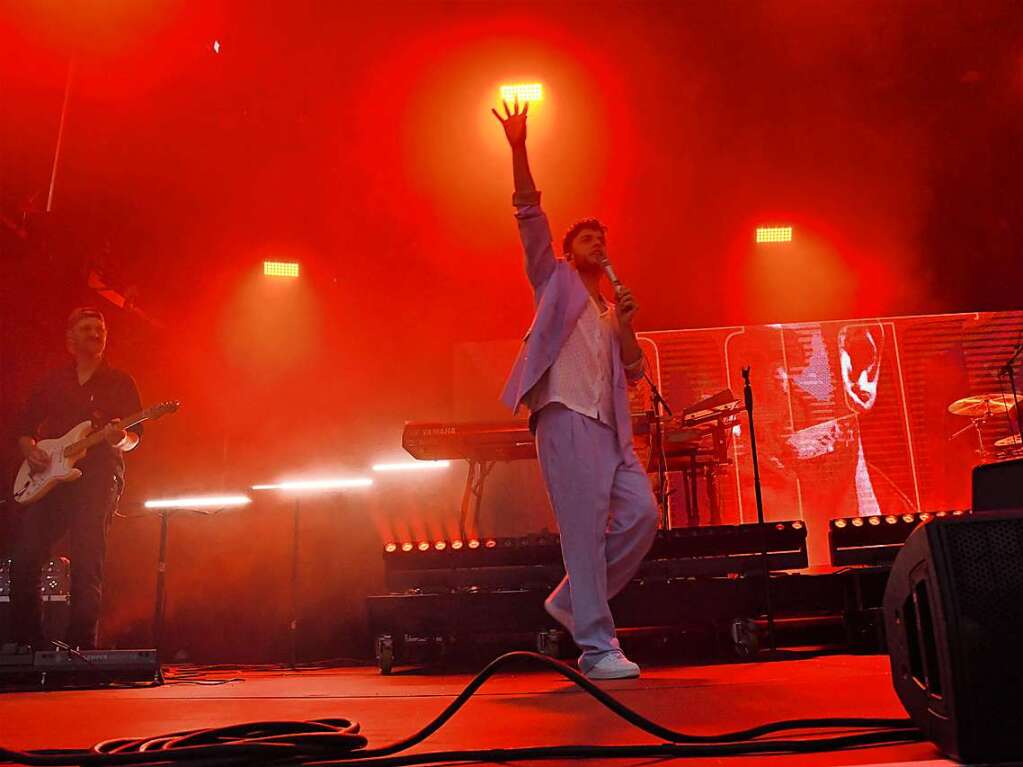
(572, 372)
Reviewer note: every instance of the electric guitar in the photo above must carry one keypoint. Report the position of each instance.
(66, 451)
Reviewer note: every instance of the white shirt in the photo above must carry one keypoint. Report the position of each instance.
(581, 376)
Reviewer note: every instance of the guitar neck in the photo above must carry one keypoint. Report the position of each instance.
(97, 436)
(135, 419)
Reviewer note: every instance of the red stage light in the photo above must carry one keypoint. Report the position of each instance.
(407, 546)
(280, 269)
(771, 234)
(390, 548)
(440, 545)
(424, 546)
(527, 92)
(474, 544)
(491, 543)
(456, 545)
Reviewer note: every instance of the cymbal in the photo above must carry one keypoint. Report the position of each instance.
(981, 405)
(1008, 441)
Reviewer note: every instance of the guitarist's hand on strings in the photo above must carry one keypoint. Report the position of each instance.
(38, 459)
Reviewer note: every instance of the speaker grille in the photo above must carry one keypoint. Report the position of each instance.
(986, 562)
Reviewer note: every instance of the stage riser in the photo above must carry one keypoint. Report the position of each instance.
(702, 604)
(549, 575)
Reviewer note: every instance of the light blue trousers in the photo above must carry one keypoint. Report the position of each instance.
(607, 517)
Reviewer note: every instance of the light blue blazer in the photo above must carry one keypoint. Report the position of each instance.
(560, 297)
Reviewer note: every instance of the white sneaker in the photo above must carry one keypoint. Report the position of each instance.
(614, 665)
(564, 617)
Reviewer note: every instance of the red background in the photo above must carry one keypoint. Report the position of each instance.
(357, 139)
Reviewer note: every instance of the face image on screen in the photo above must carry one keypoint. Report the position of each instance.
(852, 417)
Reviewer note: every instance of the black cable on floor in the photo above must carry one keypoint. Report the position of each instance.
(340, 740)
(653, 751)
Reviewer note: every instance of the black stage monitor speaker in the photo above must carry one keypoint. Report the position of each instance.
(998, 485)
(953, 612)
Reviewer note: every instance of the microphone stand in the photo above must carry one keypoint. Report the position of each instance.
(293, 623)
(658, 445)
(1009, 369)
(159, 609)
(659, 402)
(160, 606)
(768, 605)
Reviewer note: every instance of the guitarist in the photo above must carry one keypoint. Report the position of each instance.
(88, 389)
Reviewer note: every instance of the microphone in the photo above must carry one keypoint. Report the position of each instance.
(611, 276)
(1008, 367)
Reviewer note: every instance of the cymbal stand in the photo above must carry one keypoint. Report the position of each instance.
(976, 424)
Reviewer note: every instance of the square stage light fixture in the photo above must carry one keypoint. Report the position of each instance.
(774, 234)
(280, 269)
(531, 92)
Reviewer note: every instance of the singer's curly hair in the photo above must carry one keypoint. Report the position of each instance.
(579, 226)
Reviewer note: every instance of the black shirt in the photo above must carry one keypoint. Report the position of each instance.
(58, 403)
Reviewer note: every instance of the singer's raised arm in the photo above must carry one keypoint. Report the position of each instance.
(534, 229)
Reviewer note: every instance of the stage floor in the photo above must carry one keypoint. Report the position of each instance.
(524, 708)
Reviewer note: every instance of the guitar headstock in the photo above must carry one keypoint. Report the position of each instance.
(162, 409)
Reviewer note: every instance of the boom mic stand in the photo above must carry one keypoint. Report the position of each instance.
(658, 445)
(768, 605)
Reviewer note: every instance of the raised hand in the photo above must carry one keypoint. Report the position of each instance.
(514, 122)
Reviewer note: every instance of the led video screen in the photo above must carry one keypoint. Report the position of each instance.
(858, 417)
